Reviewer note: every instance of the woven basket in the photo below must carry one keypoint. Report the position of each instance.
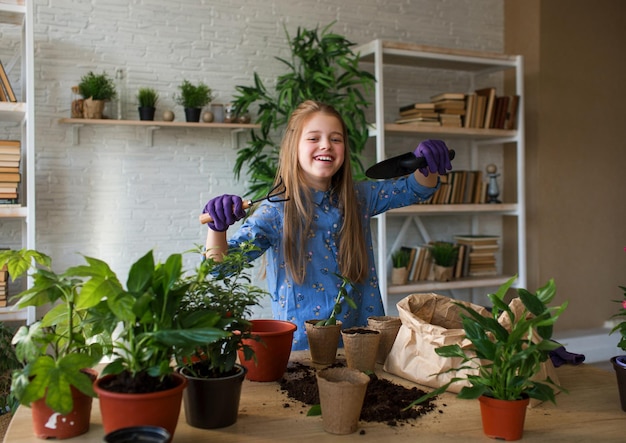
(5, 419)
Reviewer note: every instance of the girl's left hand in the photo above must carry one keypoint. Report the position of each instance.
(437, 157)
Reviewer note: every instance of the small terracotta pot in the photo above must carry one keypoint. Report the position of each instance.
(272, 352)
(361, 347)
(503, 419)
(342, 391)
(620, 375)
(121, 410)
(388, 327)
(323, 341)
(48, 424)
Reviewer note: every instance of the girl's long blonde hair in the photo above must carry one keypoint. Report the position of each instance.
(353, 257)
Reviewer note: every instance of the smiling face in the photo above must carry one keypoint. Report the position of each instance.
(321, 150)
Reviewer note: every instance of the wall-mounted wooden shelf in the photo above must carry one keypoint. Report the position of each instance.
(153, 125)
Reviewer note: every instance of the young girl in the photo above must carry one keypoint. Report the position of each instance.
(323, 229)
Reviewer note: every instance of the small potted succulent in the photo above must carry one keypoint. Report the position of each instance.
(147, 99)
(505, 356)
(96, 89)
(58, 351)
(211, 369)
(193, 98)
(444, 255)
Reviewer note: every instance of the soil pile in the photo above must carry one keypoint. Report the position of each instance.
(384, 400)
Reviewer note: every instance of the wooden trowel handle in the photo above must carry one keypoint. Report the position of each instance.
(206, 218)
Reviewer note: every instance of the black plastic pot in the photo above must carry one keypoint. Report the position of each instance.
(146, 112)
(193, 114)
(619, 365)
(138, 434)
(212, 403)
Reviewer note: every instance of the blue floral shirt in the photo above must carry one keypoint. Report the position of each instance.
(314, 298)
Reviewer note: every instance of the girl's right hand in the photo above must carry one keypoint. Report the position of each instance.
(225, 210)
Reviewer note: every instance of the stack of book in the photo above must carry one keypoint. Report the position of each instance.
(419, 113)
(9, 171)
(4, 286)
(451, 108)
(477, 254)
(484, 109)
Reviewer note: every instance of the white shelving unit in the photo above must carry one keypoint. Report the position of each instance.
(385, 54)
(20, 14)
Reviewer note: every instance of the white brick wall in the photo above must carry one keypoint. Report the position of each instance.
(112, 196)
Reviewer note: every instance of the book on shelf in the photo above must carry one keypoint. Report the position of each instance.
(6, 84)
(429, 106)
(419, 113)
(469, 109)
(447, 96)
(10, 176)
(418, 119)
(10, 157)
(450, 120)
(477, 239)
(510, 121)
(14, 144)
(490, 97)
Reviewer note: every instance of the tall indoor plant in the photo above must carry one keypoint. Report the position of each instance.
(321, 67)
(505, 355)
(57, 351)
(139, 386)
(223, 287)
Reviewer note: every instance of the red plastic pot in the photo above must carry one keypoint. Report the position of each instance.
(503, 419)
(272, 351)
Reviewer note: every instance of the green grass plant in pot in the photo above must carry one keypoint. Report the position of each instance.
(399, 271)
(505, 356)
(58, 351)
(321, 66)
(193, 97)
(96, 89)
(444, 255)
(147, 99)
(214, 376)
(140, 386)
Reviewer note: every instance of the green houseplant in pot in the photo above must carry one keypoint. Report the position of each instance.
(140, 387)
(619, 361)
(96, 89)
(193, 98)
(399, 271)
(212, 370)
(323, 335)
(505, 356)
(444, 255)
(147, 99)
(58, 351)
(321, 67)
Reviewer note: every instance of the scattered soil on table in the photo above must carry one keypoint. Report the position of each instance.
(384, 400)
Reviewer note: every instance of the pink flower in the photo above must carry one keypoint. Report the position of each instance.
(624, 304)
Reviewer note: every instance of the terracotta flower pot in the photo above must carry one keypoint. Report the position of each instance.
(503, 419)
(361, 347)
(48, 424)
(323, 341)
(342, 391)
(620, 374)
(212, 403)
(121, 410)
(272, 352)
(388, 328)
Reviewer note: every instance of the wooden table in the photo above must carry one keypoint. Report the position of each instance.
(589, 413)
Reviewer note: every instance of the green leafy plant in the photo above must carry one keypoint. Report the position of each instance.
(621, 326)
(8, 364)
(194, 96)
(400, 258)
(444, 253)
(147, 97)
(57, 349)
(322, 67)
(223, 287)
(342, 295)
(97, 86)
(502, 362)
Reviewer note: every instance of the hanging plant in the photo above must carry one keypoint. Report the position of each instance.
(322, 67)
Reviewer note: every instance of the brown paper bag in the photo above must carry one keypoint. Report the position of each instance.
(428, 322)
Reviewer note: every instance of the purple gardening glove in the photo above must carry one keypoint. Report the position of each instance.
(436, 154)
(224, 210)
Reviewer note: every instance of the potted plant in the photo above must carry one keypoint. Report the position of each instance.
(400, 262)
(321, 67)
(8, 364)
(619, 361)
(211, 368)
(96, 89)
(147, 99)
(59, 350)
(504, 356)
(323, 335)
(140, 387)
(193, 98)
(444, 256)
